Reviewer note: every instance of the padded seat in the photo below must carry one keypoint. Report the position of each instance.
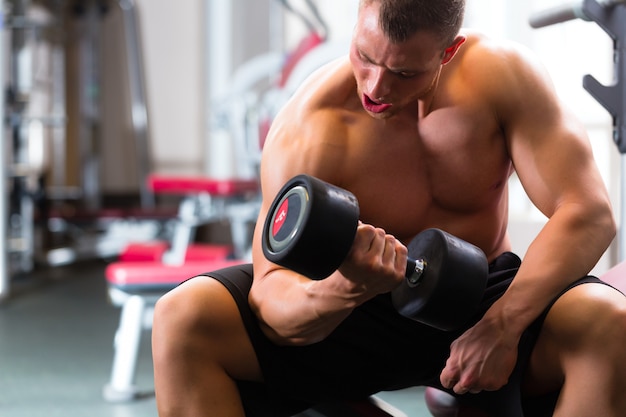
(154, 251)
(146, 277)
(184, 185)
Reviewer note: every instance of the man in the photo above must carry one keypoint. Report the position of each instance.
(424, 124)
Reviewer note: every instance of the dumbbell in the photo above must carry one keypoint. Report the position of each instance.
(311, 226)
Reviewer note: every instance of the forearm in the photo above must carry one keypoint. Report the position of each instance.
(301, 311)
(566, 249)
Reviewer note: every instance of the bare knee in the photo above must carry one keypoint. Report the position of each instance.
(200, 323)
(589, 318)
(179, 314)
(585, 329)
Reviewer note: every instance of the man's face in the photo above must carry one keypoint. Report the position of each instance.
(389, 75)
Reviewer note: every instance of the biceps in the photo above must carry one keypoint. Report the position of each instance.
(555, 163)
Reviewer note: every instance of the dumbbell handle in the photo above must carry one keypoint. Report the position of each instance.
(414, 271)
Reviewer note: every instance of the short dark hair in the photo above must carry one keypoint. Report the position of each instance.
(399, 19)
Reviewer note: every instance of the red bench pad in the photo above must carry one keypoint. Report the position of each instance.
(184, 185)
(145, 277)
(153, 252)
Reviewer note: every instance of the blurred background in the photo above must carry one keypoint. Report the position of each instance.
(131, 137)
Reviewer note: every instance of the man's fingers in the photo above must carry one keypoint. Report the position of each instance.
(461, 389)
(452, 380)
(448, 379)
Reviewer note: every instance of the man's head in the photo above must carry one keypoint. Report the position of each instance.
(399, 19)
(398, 49)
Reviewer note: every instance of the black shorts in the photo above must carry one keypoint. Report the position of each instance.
(374, 349)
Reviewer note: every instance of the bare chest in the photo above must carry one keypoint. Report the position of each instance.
(446, 171)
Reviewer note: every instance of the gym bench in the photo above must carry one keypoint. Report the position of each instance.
(146, 271)
(204, 201)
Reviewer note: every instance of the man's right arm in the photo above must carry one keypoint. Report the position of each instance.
(291, 308)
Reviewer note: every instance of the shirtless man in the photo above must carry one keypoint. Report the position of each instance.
(424, 123)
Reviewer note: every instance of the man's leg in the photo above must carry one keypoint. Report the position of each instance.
(582, 347)
(200, 346)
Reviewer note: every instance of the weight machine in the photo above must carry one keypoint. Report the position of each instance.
(25, 119)
(34, 225)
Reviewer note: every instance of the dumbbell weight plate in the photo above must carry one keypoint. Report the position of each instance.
(452, 285)
(289, 218)
(310, 226)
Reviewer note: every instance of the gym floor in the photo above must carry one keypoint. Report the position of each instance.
(56, 348)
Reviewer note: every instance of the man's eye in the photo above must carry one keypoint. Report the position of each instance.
(405, 74)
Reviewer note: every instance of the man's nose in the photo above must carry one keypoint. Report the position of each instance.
(377, 85)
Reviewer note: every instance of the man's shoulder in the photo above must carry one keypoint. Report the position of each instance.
(480, 45)
(496, 61)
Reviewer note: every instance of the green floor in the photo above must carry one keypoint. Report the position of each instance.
(56, 347)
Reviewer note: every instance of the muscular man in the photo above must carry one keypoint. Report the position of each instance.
(424, 123)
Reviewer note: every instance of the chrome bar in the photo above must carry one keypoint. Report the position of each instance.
(4, 216)
(139, 108)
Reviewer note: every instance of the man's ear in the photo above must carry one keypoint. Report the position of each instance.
(451, 50)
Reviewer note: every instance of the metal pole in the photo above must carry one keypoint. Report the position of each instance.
(138, 97)
(218, 64)
(4, 270)
(90, 133)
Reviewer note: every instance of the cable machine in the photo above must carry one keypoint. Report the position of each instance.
(34, 135)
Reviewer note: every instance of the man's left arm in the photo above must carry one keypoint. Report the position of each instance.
(553, 159)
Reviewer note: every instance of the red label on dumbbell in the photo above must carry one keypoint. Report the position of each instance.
(286, 219)
(280, 217)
